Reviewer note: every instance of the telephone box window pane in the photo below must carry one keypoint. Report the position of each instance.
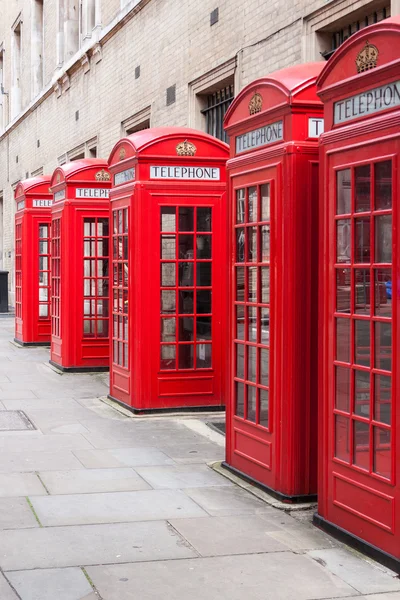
(120, 223)
(239, 399)
(43, 263)
(43, 231)
(126, 356)
(186, 333)
(252, 295)
(342, 389)
(252, 363)
(383, 239)
(265, 243)
(252, 244)
(186, 246)
(102, 227)
(240, 245)
(102, 328)
(203, 328)
(383, 292)
(361, 444)
(362, 188)
(204, 274)
(383, 185)
(383, 399)
(342, 438)
(264, 407)
(88, 228)
(362, 278)
(88, 327)
(43, 310)
(203, 356)
(168, 274)
(43, 248)
(362, 343)
(168, 330)
(264, 366)
(252, 204)
(383, 346)
(343, 240)
(343, 194)
(102, 268)
(265, 202)
(125, 247)
(125, 336)
(240, 206)
(362, 250)
(186, 356)
(203, 303)
(362, 393)
(343, 340)
(186, 216)
(44, 278)
(204, 219)
(239, 322)
(43, 294)
(203, 245)
(264, 325)
(382, 452)
(240, 284)
(125, 220)
(102, 247)
(265, 288)
(168, 249)
(168, 357)
(185, 302)
(240, 361)
(102, 287)
(252, 324)
(168, 218)
(251, 403)
(343, 290)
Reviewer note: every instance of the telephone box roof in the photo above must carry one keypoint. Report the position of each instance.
(33, 185)
(72, 169)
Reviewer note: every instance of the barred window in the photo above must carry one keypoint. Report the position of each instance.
(217, 104)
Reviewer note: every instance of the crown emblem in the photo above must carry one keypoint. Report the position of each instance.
(186, 149)
(367, 58)
(58, 177)
(255, 104)
(102, 175)
(122, 153)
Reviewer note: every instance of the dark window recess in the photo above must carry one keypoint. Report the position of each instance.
(341, 35)
(171, 94)
(77, 115)
(38, 143)
(137, 72)
(26, 175)
(139, 127)
(217, 105)
(16, 159)
(214, 16)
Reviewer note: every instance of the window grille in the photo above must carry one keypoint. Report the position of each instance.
(217, 104)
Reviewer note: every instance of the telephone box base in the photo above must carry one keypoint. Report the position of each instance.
(79, 369)
(170, 409)
(274, 493)
(31, 344)
(389, 561)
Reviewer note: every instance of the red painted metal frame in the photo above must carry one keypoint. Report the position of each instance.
(32, 270)
(281, 455)
(360, 499)
(80, 265)
(150, 372)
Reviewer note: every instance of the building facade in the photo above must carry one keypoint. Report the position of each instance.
(76, 75)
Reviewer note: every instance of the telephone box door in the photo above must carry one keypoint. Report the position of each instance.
(361, 345)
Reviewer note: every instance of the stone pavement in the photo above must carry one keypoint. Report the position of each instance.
(97, 505)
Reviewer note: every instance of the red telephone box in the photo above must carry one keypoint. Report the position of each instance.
(168, 208)
(274, 124)
(32, 262)
(359, 491)
(80, 266)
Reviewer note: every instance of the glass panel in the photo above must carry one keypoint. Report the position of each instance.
(343, 290)
(343, 194)
(343, 240)
(203, 301)
(382, 452)
(264, 407)
(264, 325)
(186, 356)
(125, 247)
(383, 185)
(168, 246)
(43, 310)
(168, 218)
(102, 227)
(204, 219)
(240, 361)
(252, 363)
(168, 357)
(342, 441)
(251, 403)
(186, 274)
(203, 245)
(383, 399)
(186, 302)
(203, 328)
(383, 292)
(87, 287)
(204, 274)
(252, 244)
(265, 202)
(252, 204)
(252, 324)
(168, 330)
(43, 231)
(264, 366)
(240, 322)
(361, 444)
(203, 356)
(102, 327)
(102, 287)
(362, 296)
(362, 343)
(240, 245)
(265, 286)
(186, 218)
(239, 399)
(240, 284)
(43, 248)
(125, 220)
(362, 393)
(240, 205)
(126, 356)
(362, 177)
(186, 333)
(102, 247)
(44, 278)
(168, 274)
(383, 239)
(43, 263)
(265, 243)
(342, 389)
(343, 340)
(252, 283)
(383, 346)
(125, 336)
(89, 228)
(362, 250)
(186, 246)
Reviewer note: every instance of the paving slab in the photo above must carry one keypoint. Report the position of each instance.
(120, 507)
(129, 457)
(38, 461)
(363, 576)
(223, 501)
(274, 576)
(93, 480)
(194, 452)
(301, 539)
(51, 584)
(43, 443)
(15, 513)
(90, 545)
(20, 484)
(181, 476)
(73, 428)
(6, 592)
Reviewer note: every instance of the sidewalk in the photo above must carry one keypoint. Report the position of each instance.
(95, 504)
